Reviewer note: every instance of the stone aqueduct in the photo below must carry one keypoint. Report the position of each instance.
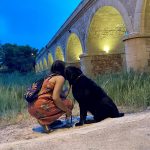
(101, 36)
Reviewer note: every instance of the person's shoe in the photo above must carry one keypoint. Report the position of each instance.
(47, 129)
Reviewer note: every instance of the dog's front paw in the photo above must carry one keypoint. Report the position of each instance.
(79, 124)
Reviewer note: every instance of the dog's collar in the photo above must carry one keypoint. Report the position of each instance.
(77, 78)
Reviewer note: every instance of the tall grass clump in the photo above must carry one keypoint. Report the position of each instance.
(12, 88)
(131, 90)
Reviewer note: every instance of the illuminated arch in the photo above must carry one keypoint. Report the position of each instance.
(37, 67)
(45, 66)
(59, 54)
(41, 66)
(74, 48)
(147, 17)
(50, 59)
(106, 31)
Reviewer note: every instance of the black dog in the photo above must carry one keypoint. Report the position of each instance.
(90, 97)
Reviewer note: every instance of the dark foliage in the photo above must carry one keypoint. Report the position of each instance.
(18, 58)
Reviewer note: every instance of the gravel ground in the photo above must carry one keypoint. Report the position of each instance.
(131, 132)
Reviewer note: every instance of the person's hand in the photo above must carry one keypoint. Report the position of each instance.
(68, 113)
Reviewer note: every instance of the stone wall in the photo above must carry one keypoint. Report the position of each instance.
(100, 64)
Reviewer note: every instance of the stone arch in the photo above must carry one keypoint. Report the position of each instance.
(50, 59)
(105, 36)
(59, 54)
(45, 65)
(75, 31)
(139, 16)
(37, 68)
(41, 66)
(118, 6)
(73, 48)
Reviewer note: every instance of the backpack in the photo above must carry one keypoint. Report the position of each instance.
(32, 91)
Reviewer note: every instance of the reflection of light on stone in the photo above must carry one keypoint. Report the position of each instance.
(103, 33)
(106, 49)
(41, 66)
(59, 54)
(50, 59)
(74, 48)
(45, 63)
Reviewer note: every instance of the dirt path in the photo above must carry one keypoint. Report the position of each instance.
(131, 132)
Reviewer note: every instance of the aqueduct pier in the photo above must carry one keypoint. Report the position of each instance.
(101, 36)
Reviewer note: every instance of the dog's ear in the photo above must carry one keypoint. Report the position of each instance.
(68, 74)
(72, 73)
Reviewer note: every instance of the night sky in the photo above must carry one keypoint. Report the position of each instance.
(33, 22)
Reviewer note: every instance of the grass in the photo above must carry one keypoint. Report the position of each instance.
(129, 90)
(12, 88)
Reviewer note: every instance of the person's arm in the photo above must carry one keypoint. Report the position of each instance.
(56, 95)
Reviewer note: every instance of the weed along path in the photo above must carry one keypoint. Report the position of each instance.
(131, 132)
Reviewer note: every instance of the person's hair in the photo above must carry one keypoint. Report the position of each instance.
(58, 67)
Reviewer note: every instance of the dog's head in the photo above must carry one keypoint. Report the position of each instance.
(72, 73)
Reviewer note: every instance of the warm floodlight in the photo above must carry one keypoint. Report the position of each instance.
(74, 48)
(106, 49)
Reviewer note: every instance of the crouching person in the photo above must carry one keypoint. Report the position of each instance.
(49, 106)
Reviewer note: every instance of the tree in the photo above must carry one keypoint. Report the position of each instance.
(19, 58)
(2, 55)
